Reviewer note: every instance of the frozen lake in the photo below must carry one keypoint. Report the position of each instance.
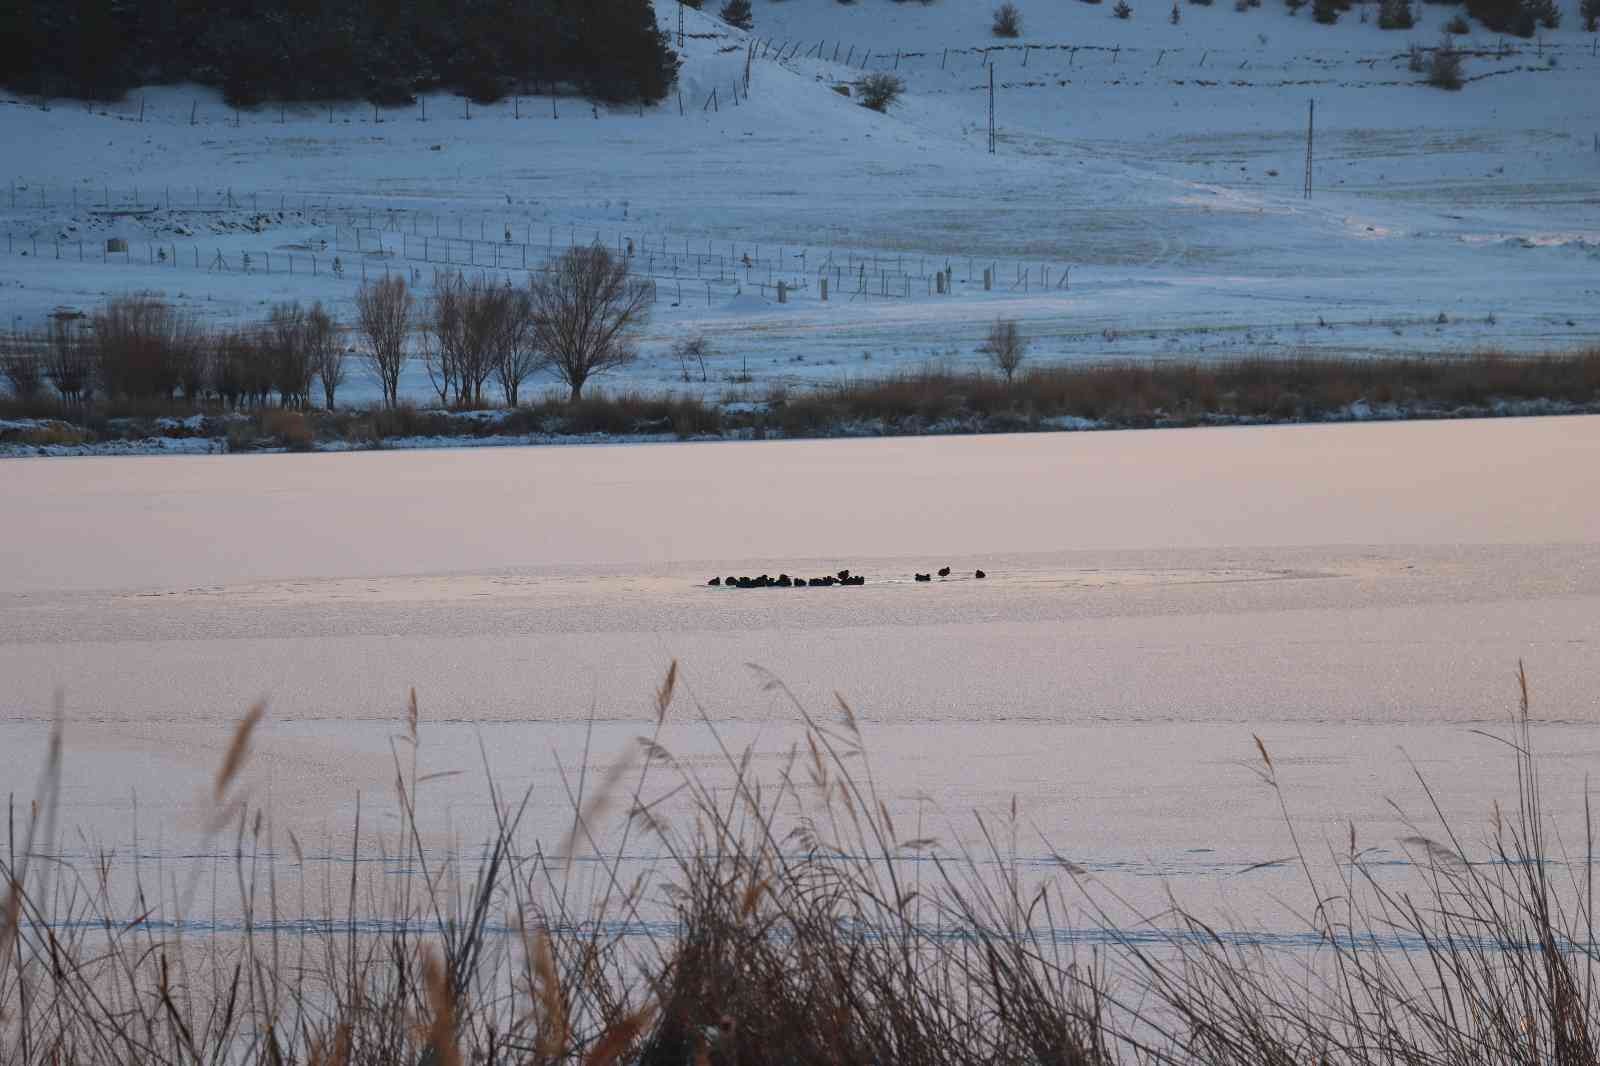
(1356, 595)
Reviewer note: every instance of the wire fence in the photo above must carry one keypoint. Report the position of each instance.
(358, 241)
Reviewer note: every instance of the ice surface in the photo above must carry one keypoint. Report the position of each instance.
(1355, 595)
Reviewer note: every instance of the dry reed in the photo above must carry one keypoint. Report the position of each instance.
(787, 925)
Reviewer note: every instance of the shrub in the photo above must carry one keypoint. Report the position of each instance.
(1005, 346)
(1416, 59)
(692, 351)
(1122, 10)
(878, 91)
(738, 13)
(1007, 20)
(1546, 13)
(288, 428)
(1444, 72)
(1395, 15)
(1461, 25)
(1325, 11)
(1503, 16)
(1177, 15)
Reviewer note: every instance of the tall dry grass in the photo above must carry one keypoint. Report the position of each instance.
(783, 925)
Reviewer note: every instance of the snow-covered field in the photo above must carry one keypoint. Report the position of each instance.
(1163, 164)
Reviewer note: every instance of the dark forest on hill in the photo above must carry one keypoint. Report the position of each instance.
(381, 50)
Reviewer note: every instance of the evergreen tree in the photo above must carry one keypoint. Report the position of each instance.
(738, 13)
(1325, 11)
(385, 50)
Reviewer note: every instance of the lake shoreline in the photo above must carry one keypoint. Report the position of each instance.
(935, 401)
(51, 438)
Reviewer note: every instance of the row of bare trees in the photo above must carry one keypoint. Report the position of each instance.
(578, 318)
(140, 348)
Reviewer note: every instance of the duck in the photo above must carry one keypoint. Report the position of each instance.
(730, 580)
(844, 575)
(923, 577)
(783, 581)
(714, 582)
(815, 582)
(979, 574)
(944, 571)
(858, 579)
(746, 583)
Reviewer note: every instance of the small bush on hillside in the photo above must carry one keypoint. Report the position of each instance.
(1504, 16)
(1546, 13)
(1294, 6)
(1122, 10)
(878, 91)
(1416, 58)
(1395, 15)
(1007, 20)
(1325, 11)
(738, 13)
(1176, 16)
(1444, 72)
(1460, 25)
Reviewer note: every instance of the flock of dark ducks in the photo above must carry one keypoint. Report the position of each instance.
(843, 577)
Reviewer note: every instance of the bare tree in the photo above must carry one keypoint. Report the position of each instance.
(518, 355)
(460, 336)
(587, 311)
(194, 357)
(483, 309)
(292, 370)
(22, 368)
(1005, 346)
(69, 362)
(141, 344)
(692, 349)
(441, 337)
(383, 314)
(326, 351)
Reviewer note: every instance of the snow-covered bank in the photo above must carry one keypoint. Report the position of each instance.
(1360, 411)
(1146, 196)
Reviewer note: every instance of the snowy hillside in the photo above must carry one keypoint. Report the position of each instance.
(1163, 164)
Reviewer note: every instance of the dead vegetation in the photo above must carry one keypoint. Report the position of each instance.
(789, 919)
(1112, 395)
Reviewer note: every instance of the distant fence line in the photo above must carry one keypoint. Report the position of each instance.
(365, 241)
(846, 282)
(852, 56)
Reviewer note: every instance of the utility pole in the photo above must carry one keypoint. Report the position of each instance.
(991, 110)
(680, 23)
(1311, 133)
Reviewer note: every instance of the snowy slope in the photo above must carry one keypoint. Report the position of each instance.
(1164, 164)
